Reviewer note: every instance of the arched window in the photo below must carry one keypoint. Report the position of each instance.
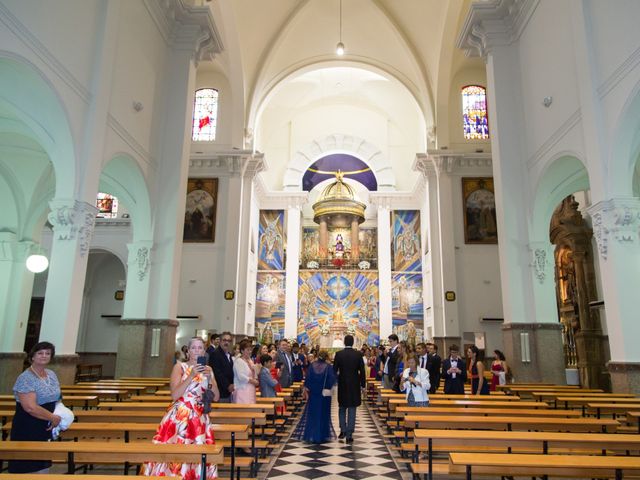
(107, 206)
(205, 115)
(474, 112)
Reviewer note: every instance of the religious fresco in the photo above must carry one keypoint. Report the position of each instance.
(368, 240)
(332, 304)
(310, 243)
(405, 248)
(407, 307)
(270, 299)
(271, 240)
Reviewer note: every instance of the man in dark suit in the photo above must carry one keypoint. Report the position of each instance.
(454, 372)
(221, 362)
(349, 366)
(390, 369)
(434, 365)
(284, 358)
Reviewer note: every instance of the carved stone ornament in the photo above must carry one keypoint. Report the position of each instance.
(72, 219)
(616, 219)
(143, 261)
(540, 264)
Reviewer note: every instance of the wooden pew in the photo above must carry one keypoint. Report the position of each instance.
(576, 466)
(73, 453)
(542, 442)
(614, 409)
(84, 401)
(118, 394)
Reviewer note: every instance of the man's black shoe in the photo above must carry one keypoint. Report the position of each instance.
(341, 436)
(350, 440)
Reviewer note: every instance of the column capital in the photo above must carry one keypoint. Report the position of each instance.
(187, 26)
(615, 220)
(140, 257)
(13, 250)
(540, 254)
(494, 23)
(71, 218)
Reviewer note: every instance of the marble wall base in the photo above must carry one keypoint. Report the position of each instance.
(444, 343)
(11, 365)
(590, 348)
(545, 348)
(135, 350)
(65, 368)
(625, 377)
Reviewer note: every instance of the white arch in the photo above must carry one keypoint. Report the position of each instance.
(625, 151)
(565, 175)
(339, 143)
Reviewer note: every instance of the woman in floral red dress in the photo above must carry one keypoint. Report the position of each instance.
(185, 422)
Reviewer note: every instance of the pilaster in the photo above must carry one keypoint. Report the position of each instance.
(616, 226)
(294, 214)
(146, 347)
(384, 269)
(73, 223)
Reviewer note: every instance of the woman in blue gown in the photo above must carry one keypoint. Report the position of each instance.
(315, 424)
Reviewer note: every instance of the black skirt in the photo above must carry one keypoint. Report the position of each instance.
(26, 428)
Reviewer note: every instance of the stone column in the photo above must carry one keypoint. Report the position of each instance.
(73, 223)
(323, 240)
(355, 243)
(384, 270)
(16, 284)
(292, 266)
(11, 365)
(146, 348)
(616, 223)
(137, 292)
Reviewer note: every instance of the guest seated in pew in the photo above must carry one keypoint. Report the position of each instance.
(37, 391)
(185, 421)
(479, 386)
(415, 382)
(267, 382)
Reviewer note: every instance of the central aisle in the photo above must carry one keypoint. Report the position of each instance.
(367, 458)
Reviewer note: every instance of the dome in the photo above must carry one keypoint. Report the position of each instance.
(338, 205)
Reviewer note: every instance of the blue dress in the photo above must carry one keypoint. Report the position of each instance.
(315, 424)
(475, 381)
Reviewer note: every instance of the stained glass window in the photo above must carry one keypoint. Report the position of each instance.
(474, 112)
(205, 115)
(107, 206)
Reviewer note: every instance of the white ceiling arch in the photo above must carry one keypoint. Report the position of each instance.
(338, 143)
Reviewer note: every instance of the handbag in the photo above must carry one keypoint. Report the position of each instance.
(326, 392)
(207, 400)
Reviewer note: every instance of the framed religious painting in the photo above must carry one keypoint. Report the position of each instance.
(200, 211)
(479, 205)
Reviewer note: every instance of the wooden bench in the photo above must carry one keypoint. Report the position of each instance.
(88, 372)
(542, 442)
(73, 453)
(84, 401)
(102, 394)
(575, 466)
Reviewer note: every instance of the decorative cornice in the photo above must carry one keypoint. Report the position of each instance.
(41, 51)
(279, 200)
(493, 23)
(424, 165)
(445, 162)
(70, 219)
(186, 26)
(616, 219)
(227, 163)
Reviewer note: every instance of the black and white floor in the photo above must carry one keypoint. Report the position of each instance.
(366, 458)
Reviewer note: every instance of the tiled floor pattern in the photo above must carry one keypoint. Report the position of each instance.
(367, 458)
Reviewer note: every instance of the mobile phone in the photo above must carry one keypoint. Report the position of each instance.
(202, 360)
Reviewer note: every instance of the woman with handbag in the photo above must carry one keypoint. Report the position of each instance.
(315, 424)
(186, 421)
(245, 379)
(36, 391)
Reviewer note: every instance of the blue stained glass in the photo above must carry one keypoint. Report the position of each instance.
(474, 113)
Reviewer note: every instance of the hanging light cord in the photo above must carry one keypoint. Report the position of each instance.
(340, 21)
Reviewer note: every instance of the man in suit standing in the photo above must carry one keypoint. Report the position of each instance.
(390, 370)
(434, 365)
(286, 363)
(221, 362)
(349, 366)
(454, 372)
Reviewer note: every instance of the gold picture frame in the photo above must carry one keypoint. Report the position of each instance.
(479, 211)
(200, 210)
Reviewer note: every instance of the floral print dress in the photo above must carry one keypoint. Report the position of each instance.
(184, 423)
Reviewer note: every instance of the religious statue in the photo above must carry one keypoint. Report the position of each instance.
(339, 248)
(267, 334)
(271, 241)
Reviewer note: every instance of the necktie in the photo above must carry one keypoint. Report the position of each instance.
(421, 362)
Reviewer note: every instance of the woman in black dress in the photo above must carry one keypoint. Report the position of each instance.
(36, 391)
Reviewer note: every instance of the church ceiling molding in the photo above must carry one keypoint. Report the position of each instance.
(493, 23)
(243, 163)
(337, 143)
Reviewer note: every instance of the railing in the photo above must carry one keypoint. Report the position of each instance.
(569, 344)
(338, 263)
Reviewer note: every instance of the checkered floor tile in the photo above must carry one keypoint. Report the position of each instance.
(367, 458)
